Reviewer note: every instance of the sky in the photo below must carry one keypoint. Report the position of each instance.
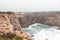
(29, 5)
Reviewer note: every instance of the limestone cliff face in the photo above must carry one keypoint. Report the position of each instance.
(13, 21)
(49, 18)
(24, 19)
(5, 25)
(9, 24)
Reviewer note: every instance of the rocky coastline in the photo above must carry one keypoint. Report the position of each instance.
(9, 25)
(14, 21)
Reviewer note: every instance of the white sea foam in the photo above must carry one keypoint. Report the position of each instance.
(43, 32)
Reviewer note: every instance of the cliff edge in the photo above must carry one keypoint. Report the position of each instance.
(9, 24)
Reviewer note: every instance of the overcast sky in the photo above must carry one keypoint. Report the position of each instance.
(29, 5)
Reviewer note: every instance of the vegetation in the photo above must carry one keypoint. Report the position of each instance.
(18, 38)
(10, 36)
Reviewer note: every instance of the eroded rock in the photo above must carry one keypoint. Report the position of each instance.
(9, 24)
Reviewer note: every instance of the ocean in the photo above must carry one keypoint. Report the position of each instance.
(40, 31)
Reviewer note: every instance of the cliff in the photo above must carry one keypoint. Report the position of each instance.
(25, 19)
(10, 26)
(12, 22)
(51, 18)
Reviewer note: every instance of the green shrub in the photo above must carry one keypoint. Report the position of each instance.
(18, 38)
(10, 36)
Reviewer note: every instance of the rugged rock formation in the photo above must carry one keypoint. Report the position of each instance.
(28, 18)
(13, 21)
(5, 25)
(9, 24)
(49, 18)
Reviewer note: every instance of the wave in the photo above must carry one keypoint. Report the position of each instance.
(42, 32)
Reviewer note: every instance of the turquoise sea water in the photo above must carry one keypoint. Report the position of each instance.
(42, 32)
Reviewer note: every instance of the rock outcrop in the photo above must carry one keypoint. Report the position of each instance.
(14, 21)
(51, 18)
(9, 24)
